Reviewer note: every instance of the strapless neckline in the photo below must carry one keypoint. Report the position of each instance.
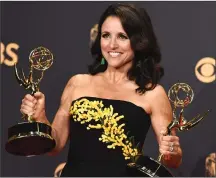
(109, 99)
(88, 155)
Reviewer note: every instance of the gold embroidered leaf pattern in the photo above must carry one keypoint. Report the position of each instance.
(85, 111)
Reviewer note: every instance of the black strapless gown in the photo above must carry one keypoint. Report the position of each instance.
(89, 157)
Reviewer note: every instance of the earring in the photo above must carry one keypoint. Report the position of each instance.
(102, 61)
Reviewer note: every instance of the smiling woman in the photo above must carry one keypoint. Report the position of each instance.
(107, 113)
(128, 31)
(115, 44)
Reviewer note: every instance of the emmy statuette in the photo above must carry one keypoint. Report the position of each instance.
(148, 167)
(31, 138)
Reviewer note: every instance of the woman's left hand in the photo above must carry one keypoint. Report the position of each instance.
(169, 146)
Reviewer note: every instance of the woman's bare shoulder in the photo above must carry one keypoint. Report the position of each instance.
(79, 80)
(75, 86)
(156, 95)
(157, 91)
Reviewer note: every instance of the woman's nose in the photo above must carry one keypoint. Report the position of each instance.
(113, 43)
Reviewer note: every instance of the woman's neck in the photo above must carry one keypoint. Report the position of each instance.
(115, 76)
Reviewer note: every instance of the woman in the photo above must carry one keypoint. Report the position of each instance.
(124, 75)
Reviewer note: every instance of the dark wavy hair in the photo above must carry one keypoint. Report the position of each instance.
(137, 24)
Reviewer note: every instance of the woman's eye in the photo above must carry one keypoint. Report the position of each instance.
(105, 35)
(121, 36)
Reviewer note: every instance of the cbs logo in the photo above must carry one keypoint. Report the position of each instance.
(205, 70)
(8, 55)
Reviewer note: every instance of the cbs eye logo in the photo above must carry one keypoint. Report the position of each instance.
(205, 70)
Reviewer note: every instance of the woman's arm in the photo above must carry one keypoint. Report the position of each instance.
(161, 116)
(61, 122)
(35, 106)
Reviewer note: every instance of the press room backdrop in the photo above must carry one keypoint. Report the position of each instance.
(186, 32)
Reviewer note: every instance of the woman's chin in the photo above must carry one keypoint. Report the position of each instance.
(118, 64)
(114, 64)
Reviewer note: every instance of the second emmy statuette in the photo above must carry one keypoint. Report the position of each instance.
(30, 138)
(148, 167)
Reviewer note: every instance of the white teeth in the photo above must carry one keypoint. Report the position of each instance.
(114, 54)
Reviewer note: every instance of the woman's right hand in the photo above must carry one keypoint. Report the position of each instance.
(34, 106)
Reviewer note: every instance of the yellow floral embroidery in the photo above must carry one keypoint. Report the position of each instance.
(85, 111)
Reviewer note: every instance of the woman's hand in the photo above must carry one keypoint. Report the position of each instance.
(34, 106)
(170, 148)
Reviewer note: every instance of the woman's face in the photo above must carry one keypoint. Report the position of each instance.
(115, 44)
